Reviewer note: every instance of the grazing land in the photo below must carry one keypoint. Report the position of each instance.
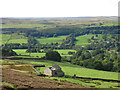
(66, 67)
(23, 52)
(84, 47)
(70, 69)
(18, 41)
(83, 40)
(51, 40)
(5, 38)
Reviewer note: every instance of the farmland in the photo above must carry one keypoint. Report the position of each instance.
(51, 40)
(23, 52)
(5, 38)
(70, 70)
(87, 48)
(83, 72)
(83, 40)
(19, 73)
(15, 38)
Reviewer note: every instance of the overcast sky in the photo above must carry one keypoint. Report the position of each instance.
(58, 8)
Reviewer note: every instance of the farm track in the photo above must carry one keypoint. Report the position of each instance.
(25, 80)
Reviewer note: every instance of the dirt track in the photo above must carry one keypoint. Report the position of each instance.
(25, 80)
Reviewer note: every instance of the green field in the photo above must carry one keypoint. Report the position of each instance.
(71, 69)
(5, 38)
(23, 52)
(65, 51)
(83, 40)
(84, 82)
(89, 83)
(18, 41)
(13, 38)
(52, 40)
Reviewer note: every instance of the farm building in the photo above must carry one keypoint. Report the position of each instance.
(54, 70)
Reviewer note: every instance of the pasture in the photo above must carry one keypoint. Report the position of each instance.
(5, 38)
(13, 38)
(17, 41)
(16, 38)
(70, 70)
(83, 40)
(63, 52)
(89, 83)
(52, 40)
(23, 53)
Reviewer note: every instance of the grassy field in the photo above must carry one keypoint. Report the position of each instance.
(5, 38)
(14, 38)
(83, 40)
(18, 41)
(23, 52)
(84, 82)
(70, 70)
(26, 55)
(89, 83)
(52, 40)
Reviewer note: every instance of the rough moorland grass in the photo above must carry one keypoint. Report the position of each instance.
(28, 25)
(71, 69)
(83, 40)
(52, 40)
(6, 84)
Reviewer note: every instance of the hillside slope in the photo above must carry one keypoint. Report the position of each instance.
(25, 80)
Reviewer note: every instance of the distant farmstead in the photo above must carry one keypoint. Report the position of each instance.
(54, 70)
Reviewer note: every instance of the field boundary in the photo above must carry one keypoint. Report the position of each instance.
(108, 80)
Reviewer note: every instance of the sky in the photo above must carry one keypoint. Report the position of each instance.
(58, 8)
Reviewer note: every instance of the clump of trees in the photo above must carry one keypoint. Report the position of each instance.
(68, 42)
(53, 55)
(8, 52)
(33, 45)
(97, 59)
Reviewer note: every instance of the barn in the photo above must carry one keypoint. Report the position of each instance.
(54, 70)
